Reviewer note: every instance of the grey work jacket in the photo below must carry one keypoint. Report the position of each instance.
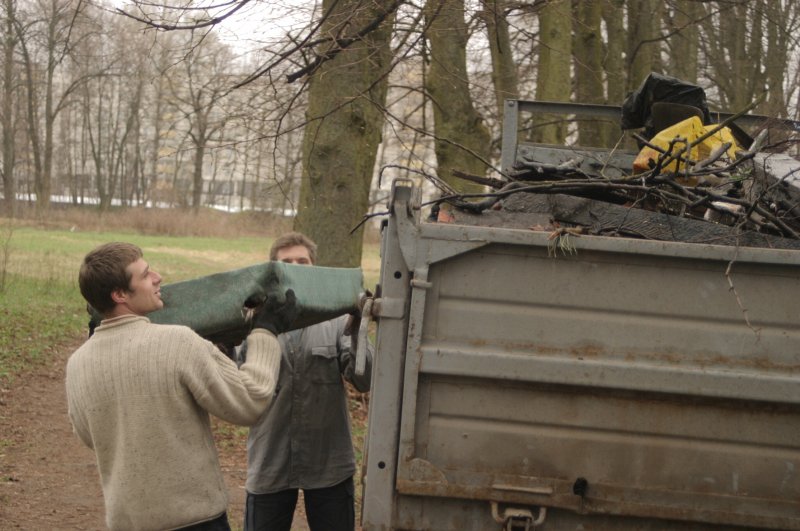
(303, 440)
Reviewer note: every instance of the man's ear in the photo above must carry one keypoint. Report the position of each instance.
(119, 296)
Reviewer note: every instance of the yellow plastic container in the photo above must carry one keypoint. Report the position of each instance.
(688, 130)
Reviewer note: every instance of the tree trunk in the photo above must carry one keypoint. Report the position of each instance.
(133, 138)
(553, 74)
(60, 20)
(9, 43)
(95, 145)
(157, 109)
(504, 68)
(197, 173)
(254, 188)
(177, 195)
(44, 183)
(613, 62)
(84, 163)
(684, 43)
(32, 113)
(288, 184)
(462, 140)
(734, 53)
(200, 92)
(777, 55)
(588, 55)
(344, 114)
(67, 140)
(245, 171)
(644, 43)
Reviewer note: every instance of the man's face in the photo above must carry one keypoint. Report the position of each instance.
(144, 293)
(297, 254)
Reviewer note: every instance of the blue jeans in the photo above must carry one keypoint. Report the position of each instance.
(327, 509)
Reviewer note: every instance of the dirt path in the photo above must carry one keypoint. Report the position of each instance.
(48, 479)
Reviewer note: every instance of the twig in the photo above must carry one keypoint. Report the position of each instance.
(732, 289)
(485, 181)
(366, 218)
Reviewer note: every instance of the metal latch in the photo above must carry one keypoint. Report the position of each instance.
(517, 518)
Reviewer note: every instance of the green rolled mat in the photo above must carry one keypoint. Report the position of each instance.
(212, 305)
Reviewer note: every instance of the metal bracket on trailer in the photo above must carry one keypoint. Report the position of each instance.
(405, 206)
(513, 517)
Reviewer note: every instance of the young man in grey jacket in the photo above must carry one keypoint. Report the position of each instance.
(304, 440)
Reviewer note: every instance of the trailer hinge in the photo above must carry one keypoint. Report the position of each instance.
(516, 518)
(422, 284)
(389, 308)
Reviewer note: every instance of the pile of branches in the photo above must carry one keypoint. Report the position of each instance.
(733, 193)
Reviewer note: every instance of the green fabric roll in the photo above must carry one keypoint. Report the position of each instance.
(212, 305)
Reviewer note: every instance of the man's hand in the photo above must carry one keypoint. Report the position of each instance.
(354, 319)
(277, 318)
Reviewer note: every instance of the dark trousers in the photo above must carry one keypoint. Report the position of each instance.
(219, 523)
(327, 509)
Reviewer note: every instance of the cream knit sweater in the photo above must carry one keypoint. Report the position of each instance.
(139, 394)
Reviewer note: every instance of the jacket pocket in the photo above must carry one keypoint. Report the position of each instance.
(325, 365)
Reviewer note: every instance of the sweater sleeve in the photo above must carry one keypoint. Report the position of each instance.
(80, 428)
(76, 418)
(238, 395)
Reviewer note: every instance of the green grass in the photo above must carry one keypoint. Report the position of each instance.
(58, 253)
(41, 307)
(39, 315)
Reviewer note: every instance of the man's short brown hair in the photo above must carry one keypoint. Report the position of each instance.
(292, 239)
(104, 270)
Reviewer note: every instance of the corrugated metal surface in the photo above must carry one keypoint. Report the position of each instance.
(622, 386)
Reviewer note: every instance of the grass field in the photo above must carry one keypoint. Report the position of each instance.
(42, 311)
(40, 305)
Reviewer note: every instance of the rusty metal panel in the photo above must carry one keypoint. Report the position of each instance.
(628, 385)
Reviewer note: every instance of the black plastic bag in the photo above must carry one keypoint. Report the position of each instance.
(637, 107)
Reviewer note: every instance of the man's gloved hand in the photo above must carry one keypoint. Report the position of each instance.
(275, 317)
(354, 319)
(353, 323)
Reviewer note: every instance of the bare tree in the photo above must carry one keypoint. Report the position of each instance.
(643, 54)
(110, 99)
(782, 20)
(167, 128)
(589, 74)
(746, 48)
(553, 77)
(156, 112)
(462, 140)
(504, 67)
(198, 91)
(683, 22)
(53, 33)
(9, 43)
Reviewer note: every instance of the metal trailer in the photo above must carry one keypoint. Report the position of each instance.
(630, 384)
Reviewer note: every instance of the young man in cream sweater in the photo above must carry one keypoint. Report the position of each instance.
(140, 394)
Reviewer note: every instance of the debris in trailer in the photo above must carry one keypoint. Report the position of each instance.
(690, 183)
